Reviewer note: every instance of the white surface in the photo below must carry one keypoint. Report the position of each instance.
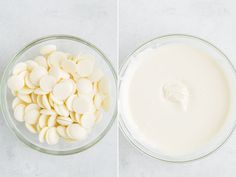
(20, 23)
(213, 20)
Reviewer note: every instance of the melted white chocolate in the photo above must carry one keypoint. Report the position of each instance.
(175, 98)
(176, 92)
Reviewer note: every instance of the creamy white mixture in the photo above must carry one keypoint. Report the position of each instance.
(175, 98)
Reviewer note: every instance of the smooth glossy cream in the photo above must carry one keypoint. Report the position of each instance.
(175, 98)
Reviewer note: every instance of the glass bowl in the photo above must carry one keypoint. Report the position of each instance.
(230, 122)
(75, 46)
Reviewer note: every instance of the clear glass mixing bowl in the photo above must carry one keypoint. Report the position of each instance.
(73, 45)
(228, 126)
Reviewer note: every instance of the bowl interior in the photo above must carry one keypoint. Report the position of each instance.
(74, 46)
(230, 122)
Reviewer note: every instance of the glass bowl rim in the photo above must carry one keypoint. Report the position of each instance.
(5, 111)
(122, 124)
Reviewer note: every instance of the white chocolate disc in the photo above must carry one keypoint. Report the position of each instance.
(84, 86)
(36, 74)
(83, 56)
(103, 85)
(14, 93)
(55, 58)
(69, 102)
(96, 75)
(70, 57)
(68, 66)
(61, 110)
(41, 60)
(106, 103)
(82, 104)
(23, 74)
(65, 75)
(63, 89)
(19, 112)
(19, 67)
(16, 102)
(55, 72)
(43, 120)
(50, 101)
(87, 120)
(52, 121)
(31, 128)
(42, 134)
(33, 98)
(32, 116)
(45, 102)
(75, 59)
(47, 112)
(85, 67)
(39, 101)
(38, 128)
(48, 49)
(74, 90)
(75, 131)
(24, 97)
(15, 83)
(58, 73)
(98, 101)
(78, 117)
(98, 116)
(25, 90)
(28, 83)
(52, 136)
(31, 106)
(95, 87)
(61, 130)
(54, 99)
(69, 140)
(31, 64)
(75, 77)
(39, 91)
(47, 83)
(72, 116)
(64, 120)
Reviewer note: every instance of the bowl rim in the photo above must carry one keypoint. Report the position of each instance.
(5, 110)
(122, 124)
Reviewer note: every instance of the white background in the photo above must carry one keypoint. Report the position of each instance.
(22, 21)
(213, 20)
